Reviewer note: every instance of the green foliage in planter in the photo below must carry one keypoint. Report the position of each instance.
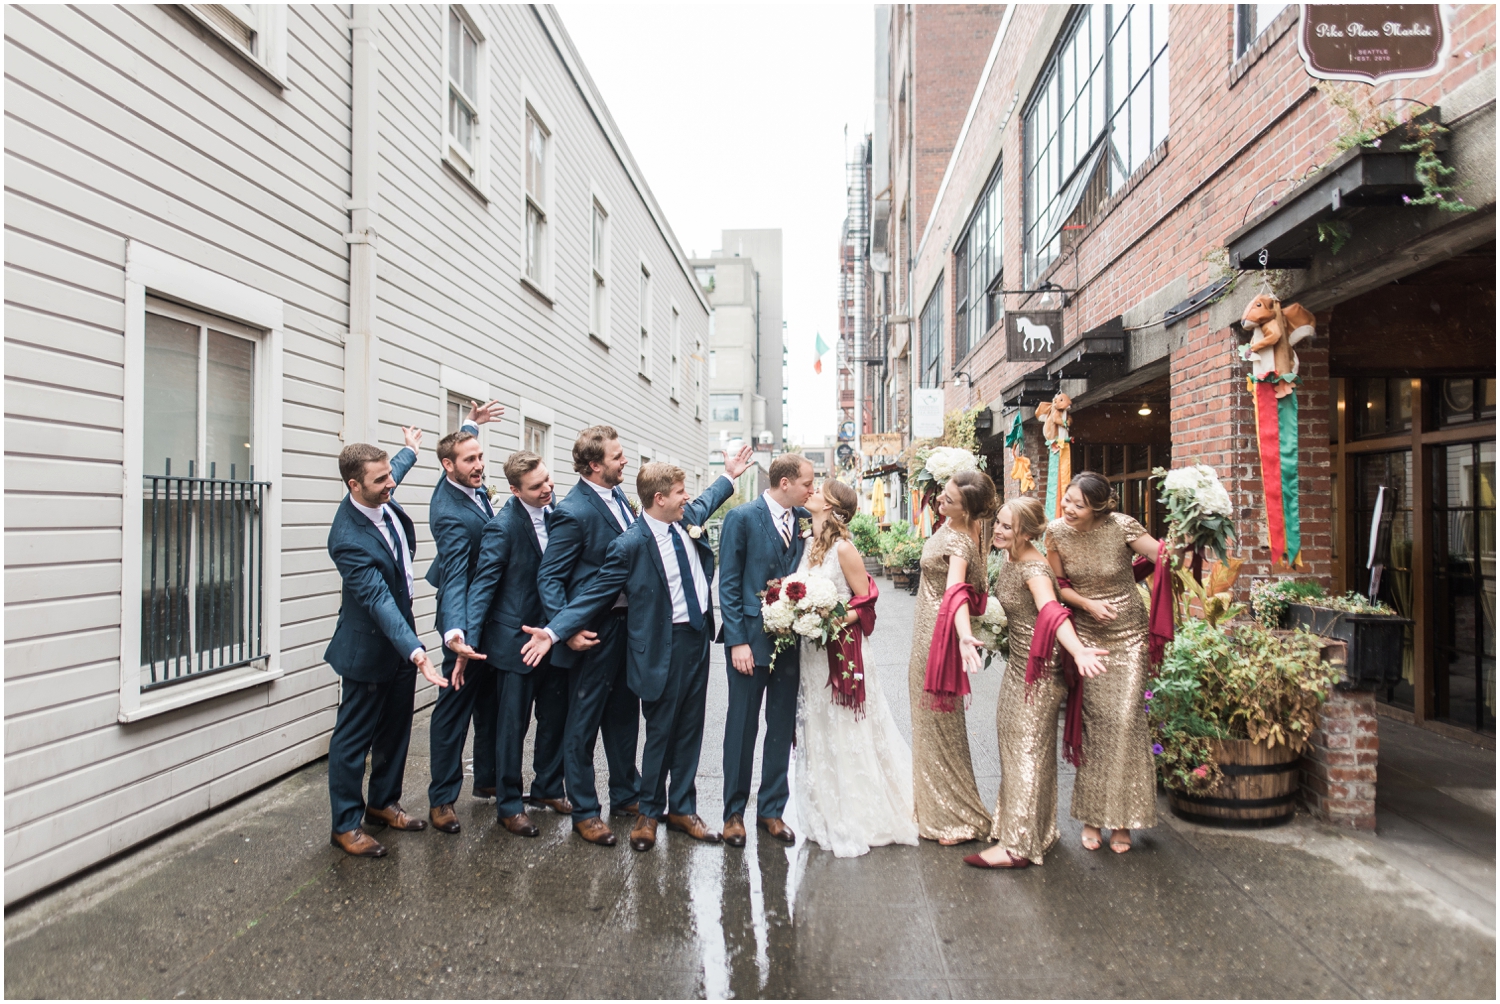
(866, 534)
(897, 534)
(1269, 600)
(906, 554)
(1235, 681)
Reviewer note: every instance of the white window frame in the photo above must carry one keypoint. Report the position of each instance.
(542, 415)
(266, 24)
(454, 383)
(598, 275)
(533, 106)
(472, 168)
(698, 365)
(149, 271)
(644, 320)
(674, 344)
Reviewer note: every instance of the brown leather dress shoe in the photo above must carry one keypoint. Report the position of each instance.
(520, 824)
(393, 816)
(777, 829)
(444, 818)
(595, 831)
(633, 809)
(693, 826)
(734, 830)
(358, 843)
(643, 833)
(561, 806)
(483, 792)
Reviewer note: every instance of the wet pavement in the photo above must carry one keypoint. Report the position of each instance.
(253, 902)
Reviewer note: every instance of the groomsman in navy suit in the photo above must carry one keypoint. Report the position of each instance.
(503, 596)
(579, 532)
(759, 542)
(664, 564)
(459, 510)
(374, 648)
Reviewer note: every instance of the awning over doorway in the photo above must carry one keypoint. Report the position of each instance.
(1031, 388)
(1099, 354)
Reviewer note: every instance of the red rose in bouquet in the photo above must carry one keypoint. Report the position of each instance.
(796, 591)
(773, 591)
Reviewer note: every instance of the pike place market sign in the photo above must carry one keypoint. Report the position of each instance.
(1372, 42)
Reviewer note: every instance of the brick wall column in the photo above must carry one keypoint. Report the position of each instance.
(1338, 768)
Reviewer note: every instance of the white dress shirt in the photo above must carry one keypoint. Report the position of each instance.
(377, 516)
(538, 521)
(780, 515)
(610, 503)
(473, 493)
(661, 531)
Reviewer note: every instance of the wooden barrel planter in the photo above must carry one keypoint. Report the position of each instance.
(1259, 787)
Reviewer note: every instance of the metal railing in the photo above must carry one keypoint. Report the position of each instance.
(202, 575)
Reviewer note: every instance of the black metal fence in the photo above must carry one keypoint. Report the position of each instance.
(202, 576)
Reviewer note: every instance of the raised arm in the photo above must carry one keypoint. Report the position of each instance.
(697, 511)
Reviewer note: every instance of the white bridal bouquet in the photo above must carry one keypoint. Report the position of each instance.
(1198, 507)
(802, 605)
(946, 461)
(990, 630)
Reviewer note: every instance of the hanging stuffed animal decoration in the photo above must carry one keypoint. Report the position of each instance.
(1054, 418)
(1020, 469)
(1274, 329)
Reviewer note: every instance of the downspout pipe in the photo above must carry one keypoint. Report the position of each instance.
(362, 346)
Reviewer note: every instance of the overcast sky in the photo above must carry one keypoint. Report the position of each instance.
(736, 114)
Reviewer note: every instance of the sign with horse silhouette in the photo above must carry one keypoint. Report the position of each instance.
(1032, 335)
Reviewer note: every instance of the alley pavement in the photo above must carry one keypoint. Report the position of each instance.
(253, 902)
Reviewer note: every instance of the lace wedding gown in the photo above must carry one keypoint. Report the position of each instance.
(852, 780)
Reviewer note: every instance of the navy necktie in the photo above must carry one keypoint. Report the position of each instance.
(390, 528)
(689, 586)
(619, 497)
(484, 502)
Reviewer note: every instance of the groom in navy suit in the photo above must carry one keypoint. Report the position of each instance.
(459, 510)
(374, 648)
(760, 541)
(664, 564)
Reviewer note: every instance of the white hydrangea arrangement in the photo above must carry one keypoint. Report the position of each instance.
(946, 461)
(990, 628)
(802, 605)
(1198, 507)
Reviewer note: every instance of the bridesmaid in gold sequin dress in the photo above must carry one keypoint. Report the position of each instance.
(949, 809)
(1025, 824)
(1093, 546)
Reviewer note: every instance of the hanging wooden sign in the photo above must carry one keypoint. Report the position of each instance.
(1372, 42)
(1032, 334)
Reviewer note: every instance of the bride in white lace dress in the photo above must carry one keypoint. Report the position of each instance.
(852, 780)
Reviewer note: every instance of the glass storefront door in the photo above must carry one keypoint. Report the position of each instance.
(1392, 550)
(1463, 531)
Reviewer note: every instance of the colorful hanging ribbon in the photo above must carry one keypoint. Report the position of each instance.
(1276, 439)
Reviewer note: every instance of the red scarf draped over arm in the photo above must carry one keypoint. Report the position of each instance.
(946, 680)
(1043, 639)
(845, 654)
(1160, 627)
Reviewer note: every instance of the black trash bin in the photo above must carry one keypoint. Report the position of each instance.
(1375, 641)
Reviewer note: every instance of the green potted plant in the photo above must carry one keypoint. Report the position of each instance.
(1373, 634)
(1232, 709)
(865, 532)
(903, 561)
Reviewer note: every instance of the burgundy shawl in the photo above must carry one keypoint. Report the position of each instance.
(1043, 639)
(946, 680)
(846, 664)
(1160, 627)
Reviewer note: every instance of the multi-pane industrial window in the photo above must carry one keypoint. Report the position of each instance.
(463, 92)
(203, 514)
(1098, 113)
(1250, 20)
(931, 374)
(643, 322)
(537, 142)
(977, 266)
(724, 407)
(598, 256)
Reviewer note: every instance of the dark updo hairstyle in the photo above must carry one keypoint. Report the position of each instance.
(977, 493)
(1096, 491)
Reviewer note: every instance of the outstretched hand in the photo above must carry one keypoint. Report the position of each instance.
(424, 666)
(1090, 662)
(535, 650)
(465, 653)
(413, 437)
(479, 414)
(736, 465)
(970, 648)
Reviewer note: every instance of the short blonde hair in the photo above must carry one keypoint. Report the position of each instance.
(520, 464)
(657, 478)
(1028, 521)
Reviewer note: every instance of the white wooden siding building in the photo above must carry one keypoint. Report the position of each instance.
(237, 235)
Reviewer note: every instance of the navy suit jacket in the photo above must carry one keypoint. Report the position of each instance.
(376, 633)
(753, 554)
(634, 563)
(503, 594)
(579, 532)
(456, 522)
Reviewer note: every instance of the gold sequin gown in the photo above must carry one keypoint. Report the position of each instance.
(948, 802)
(1026, 814)
(1116, 784)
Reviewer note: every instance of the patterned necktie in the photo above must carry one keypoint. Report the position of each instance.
(786, 529)
(390, 528)
(689, 586)
(484, 501)
(625, 513)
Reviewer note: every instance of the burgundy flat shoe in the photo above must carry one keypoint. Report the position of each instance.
(975, 861)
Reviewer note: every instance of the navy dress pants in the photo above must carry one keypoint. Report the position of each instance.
(778, 689)
(373, 719)
(544, 689)
(450, 729)
(600, 700)
(674, 729)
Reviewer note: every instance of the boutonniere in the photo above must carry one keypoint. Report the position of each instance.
(804, 528)
(634, 503)
(695, 532)
(493, 493)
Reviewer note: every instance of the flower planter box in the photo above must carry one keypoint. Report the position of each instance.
(1373, 642)
(1259, 787)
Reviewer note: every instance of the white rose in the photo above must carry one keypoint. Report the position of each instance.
(778, 616)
